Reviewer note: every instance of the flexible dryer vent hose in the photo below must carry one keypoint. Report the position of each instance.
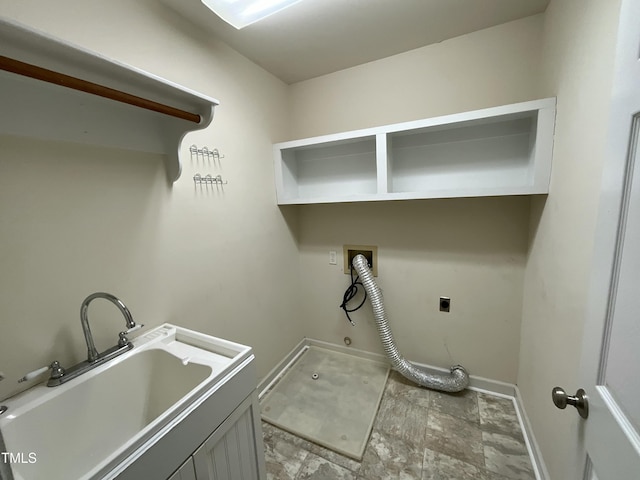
(455, 381)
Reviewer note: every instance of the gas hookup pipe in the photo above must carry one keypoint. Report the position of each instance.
(455, 381)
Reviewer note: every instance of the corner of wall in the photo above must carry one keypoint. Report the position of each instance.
(577, 67)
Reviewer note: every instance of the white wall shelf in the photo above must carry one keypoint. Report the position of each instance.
(504, 150)
(148, 114)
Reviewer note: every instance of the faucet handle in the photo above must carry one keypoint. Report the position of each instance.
(56, 369)
(123, 340)
(134, 328)
(56, 372)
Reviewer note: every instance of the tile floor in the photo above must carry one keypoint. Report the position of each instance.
(418, 434)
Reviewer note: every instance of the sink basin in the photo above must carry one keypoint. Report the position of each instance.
(87, 426)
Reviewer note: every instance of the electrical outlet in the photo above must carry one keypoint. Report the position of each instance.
(370, 252)
(445, 304)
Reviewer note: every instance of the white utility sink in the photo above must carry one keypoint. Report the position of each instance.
(91, 424)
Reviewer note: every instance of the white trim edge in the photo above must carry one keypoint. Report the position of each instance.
(539, 467)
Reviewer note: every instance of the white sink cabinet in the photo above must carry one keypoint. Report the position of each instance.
(220, 439)
(179, 404)
(502, 150)
(230, 451)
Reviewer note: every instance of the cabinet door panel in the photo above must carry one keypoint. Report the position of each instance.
(185, 472)
(230, 453)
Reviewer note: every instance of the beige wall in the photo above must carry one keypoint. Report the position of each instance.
(490, 67)
(472, 250)
(578, 53)
(77, 219)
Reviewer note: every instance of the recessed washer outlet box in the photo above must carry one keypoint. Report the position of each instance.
(370, 252)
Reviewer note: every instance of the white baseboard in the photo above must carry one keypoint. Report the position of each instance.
(479, 384)
(535, 453)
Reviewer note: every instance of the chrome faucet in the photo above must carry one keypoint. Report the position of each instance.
(61, 375)
(84, 320)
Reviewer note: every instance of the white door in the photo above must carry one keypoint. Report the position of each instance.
(610, 437)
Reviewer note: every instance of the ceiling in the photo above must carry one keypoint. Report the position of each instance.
(316, 37)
